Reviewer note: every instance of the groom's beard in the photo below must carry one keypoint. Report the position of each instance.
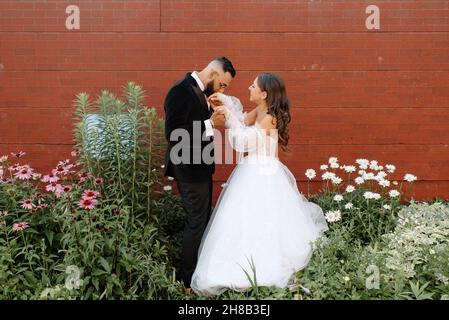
(209, 90)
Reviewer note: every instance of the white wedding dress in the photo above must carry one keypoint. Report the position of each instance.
(260, 220)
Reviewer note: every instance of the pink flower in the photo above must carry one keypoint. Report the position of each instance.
(37, 195)
(75, 152)
(20, 226)
(42, 206)
(63, 163)
(68, 167)
(24, 173)
(3, 158)
(62, 189)
(85, 175)
(59, 170)
(50, 178)
(15, 167)
(3, 213)
(37, 176)
(51, 187)
(67, 188)
(18, 154)
(87, 203)
(98, 181)
(28, 204)
(59, 190)
(90, 194)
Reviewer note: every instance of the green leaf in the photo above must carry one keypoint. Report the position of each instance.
(96, 284)
(105, 264)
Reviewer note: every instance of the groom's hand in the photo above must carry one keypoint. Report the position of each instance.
(218, 119)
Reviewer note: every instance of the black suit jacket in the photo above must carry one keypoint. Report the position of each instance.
(186, 109)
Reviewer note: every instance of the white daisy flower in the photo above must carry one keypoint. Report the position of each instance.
(338, 197)
(373, 165)
(371, 195)
(410, 177)
(382, 174)
(384, 183)
(359, 180)
(323, 167)
(390, 168)
(333, 160)
(336, 180)
(363, 163)
(167, 188)
(333, 216)
(349, 206)
(310, 174)
(350, 169)
(334, 165)
(394, 193)
(369, 176)
(328, 176)
(368, 195)
(350, 188)
(386, 207)
(170, 178)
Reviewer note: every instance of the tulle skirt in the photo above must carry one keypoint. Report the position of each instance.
(262, 229)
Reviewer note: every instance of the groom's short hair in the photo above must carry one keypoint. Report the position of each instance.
(226, 64)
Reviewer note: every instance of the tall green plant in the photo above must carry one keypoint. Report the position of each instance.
(124, 146)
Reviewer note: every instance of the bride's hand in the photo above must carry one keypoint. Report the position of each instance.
(214, 100)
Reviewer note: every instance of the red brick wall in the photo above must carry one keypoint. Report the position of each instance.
(377, 94)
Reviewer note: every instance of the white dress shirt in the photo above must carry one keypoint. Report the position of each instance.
(209, 129)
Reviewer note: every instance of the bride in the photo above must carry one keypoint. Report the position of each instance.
(262, 228)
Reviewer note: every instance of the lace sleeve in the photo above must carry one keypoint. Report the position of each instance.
(234, 107)
(241, 137)
(245, 139)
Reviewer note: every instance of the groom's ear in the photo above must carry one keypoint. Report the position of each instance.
(214, 74)
(211, 74)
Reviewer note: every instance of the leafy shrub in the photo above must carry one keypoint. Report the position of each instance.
(90, 228)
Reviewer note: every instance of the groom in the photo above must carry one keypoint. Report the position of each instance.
(187, 112)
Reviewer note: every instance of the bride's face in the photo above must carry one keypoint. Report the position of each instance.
(256, 95)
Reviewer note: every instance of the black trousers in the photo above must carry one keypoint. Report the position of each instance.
(197, 202)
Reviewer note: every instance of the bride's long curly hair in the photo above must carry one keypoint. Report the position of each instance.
(278, 104)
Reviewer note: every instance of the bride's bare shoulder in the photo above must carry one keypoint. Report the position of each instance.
(268, 122)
